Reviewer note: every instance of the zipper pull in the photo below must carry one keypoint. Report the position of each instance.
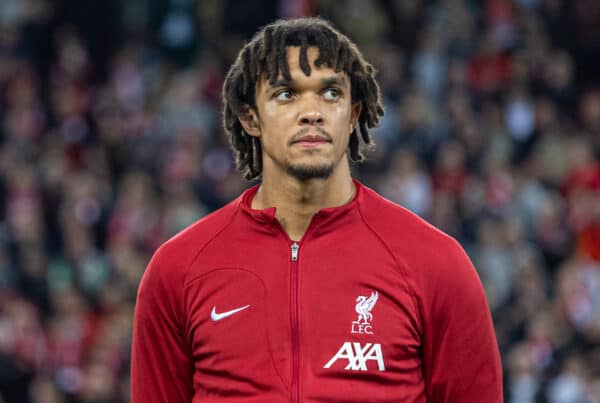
(295, 248)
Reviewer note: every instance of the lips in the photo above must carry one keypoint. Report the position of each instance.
(311, 138)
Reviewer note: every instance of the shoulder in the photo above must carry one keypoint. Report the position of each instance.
(399, 227)
(171, 261)
(434, 264)
(425, 253)
(187, 243)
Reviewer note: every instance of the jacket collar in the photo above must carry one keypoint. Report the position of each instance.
(322, 218)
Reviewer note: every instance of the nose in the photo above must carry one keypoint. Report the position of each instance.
(311, 118)
(310, 115)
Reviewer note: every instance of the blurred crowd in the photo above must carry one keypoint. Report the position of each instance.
(111, 142)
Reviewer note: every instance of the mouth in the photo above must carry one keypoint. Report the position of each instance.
(310, 140)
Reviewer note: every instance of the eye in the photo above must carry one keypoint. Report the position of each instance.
(331, 94)
(284, 95)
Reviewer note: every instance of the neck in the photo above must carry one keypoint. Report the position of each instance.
(297, 201)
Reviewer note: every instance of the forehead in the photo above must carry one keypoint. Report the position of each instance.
(293, 57)
(296, 73)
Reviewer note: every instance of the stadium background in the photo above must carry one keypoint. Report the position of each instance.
(110, 142)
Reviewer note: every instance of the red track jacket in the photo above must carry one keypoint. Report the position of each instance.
(372, 305)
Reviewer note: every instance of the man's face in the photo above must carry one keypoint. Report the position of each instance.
(304, 124)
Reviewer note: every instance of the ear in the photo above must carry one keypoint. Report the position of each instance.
(354, 114)
(250, 123)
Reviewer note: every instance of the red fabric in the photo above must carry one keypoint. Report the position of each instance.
(582, 188)
(499, 12)
(586, 177)
(450, 181)
(430, 324)
(588, 240)
(489, 73)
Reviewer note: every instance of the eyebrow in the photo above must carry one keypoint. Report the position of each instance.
(333, 80)
(282, 83)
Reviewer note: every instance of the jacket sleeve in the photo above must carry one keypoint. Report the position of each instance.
(460, 352)
(161, 365)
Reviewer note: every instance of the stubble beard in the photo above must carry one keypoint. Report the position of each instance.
(307, 172)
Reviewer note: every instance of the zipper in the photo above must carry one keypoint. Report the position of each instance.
(295, 388)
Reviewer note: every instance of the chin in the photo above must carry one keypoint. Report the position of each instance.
(307, 172)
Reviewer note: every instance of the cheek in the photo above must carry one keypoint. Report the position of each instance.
(276, 119)
(342, 115)
(275, 124)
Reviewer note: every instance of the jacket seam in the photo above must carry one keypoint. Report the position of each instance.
(184, 322)
(266, 313)
(400, 265)
(202, 247)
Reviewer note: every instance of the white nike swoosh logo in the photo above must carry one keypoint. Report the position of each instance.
(218, 316)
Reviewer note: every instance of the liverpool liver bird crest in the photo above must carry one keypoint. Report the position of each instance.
(364, 306)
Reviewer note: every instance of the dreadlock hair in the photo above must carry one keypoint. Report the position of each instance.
(265, 56)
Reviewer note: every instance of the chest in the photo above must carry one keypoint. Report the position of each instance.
(304, 320)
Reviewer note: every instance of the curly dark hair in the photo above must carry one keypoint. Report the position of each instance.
(265, 56)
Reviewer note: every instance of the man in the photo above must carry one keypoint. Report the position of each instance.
(310, 287)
